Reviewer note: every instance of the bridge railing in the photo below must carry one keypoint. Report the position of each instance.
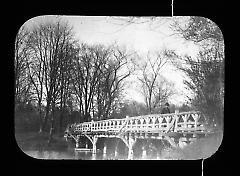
(175, 122)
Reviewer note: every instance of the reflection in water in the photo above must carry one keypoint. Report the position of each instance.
(106, 150)
(104, 155)
(76, 155)
(50, 155)
(82, 155)
(94, 156)
(144, 154)
(151, 149)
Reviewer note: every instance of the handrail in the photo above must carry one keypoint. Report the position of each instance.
(172, 122)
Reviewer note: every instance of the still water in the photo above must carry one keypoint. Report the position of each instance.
(76, 155)
(71, 154)
(111, 149)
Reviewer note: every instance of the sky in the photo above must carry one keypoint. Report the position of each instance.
(143, 37)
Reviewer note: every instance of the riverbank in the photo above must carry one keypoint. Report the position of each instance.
(37, 141)
(202, 148)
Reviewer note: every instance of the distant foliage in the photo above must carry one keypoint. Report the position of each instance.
(185, 108)
(27, 118)
(206, 71)
(131, 109)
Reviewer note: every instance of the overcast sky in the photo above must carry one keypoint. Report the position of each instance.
(141, 37)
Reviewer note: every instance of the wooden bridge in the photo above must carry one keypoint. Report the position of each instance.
(177, 128)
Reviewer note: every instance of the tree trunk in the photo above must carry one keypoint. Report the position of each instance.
(40, 121)
(51, 127)
(44, 124)
(60, 121)
(45, 119)
(51, 132)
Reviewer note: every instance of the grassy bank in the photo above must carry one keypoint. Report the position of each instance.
(36, 141)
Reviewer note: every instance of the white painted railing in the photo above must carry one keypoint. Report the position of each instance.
(175, 122)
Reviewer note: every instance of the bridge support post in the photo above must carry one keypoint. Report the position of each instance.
(105, 148)
(144, 152)
(176, 123)
(105, 151)
(131, 142)
(94, 142)
(77, 141)
(116, 151)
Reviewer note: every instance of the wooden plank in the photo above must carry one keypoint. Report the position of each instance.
(83, 149)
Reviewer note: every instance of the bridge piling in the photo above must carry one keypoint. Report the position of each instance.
(94, 142)
(144, 152)
(105, 149)
(77, 141)
(131, 142)
(116, 148)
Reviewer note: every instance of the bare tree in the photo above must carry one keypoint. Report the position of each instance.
(35, 72)
(22, 83)
(164, 90)
(97, 78)
(152, 83)
(153, 23)
(47, 43)
(85, 73)
(67, 56)
(111, 82)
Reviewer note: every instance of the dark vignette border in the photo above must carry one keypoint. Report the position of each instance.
(27, 164)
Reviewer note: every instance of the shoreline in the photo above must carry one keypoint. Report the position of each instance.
(202, 148)
(37, 141)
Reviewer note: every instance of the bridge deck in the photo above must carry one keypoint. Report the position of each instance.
(174, 128)
(187, 122)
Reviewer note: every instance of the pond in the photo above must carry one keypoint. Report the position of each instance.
(81, 155)
(115, 149)
(107, 148)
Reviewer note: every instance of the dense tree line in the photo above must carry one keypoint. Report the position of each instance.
(205, 72)
(58, 76)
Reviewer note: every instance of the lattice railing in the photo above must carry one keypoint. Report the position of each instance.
(175, 122)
